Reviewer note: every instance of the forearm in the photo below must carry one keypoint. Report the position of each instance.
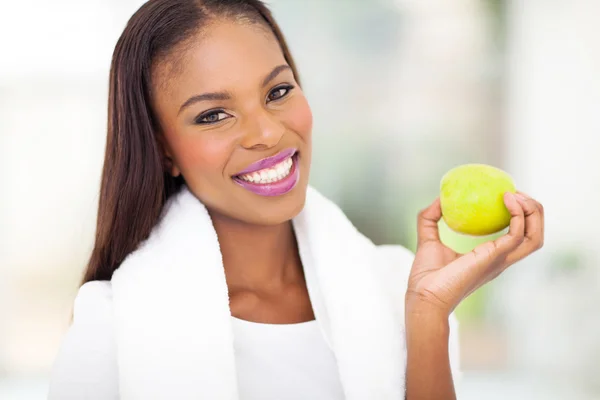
(428, 372)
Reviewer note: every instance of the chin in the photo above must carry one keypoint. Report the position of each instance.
(274, 202)
(274, 210)
(265, 202)
(251, 209)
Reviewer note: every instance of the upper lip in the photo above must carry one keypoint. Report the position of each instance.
(268, 162)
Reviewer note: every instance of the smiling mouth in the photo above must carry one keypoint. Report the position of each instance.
(274, 174)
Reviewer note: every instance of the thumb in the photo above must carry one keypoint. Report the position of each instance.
(427, 223)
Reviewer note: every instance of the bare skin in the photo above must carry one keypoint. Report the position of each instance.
(264, 273)
(263, 113)
(440, 279)
(259, 119)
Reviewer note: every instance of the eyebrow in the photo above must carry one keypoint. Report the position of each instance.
(204, 97)
(216, 96)
(273, 74)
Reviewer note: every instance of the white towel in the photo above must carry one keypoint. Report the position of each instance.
(173, 322)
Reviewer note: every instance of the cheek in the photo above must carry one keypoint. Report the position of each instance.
(299, 118)
(200, 155)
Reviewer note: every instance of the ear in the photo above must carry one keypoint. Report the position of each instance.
(169, 163)
(171, 166)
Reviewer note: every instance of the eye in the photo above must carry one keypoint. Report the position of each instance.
(211, 117)
(279, 92)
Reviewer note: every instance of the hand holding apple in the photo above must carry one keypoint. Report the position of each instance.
(476, 200)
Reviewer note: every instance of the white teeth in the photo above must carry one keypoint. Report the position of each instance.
(269, 175)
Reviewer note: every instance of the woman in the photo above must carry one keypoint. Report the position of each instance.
(217, 272)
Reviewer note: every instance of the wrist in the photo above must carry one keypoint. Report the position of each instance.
(419, 307)
(427, 325)
(426, 332)
(429, 374)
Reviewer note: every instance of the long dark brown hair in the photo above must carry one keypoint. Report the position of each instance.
(135, 183)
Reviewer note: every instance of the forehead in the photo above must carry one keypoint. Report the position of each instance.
(224, 56)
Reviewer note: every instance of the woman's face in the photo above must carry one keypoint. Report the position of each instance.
(236, 124)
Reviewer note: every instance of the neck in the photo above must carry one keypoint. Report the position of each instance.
(257, 257)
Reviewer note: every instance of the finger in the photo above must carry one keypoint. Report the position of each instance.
(516, 230)
(538, 204)
(543, 223)
(533, 214)
(485, 260)
(519, 252)
(427, 223)
(534, 229)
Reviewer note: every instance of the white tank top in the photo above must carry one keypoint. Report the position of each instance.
(284, 362)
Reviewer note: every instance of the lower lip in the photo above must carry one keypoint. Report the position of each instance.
(274, 188)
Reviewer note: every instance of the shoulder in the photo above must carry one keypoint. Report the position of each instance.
(86, 363)
(397, 256)
(93, 302)
(393, 268)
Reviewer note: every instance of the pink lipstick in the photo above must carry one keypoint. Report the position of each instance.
(271, 176)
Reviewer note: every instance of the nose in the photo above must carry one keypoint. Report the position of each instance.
(264, 131)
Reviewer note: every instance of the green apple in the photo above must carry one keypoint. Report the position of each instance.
(472, 199)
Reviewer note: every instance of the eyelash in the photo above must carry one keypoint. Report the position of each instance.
(287, 88)
(200, 119)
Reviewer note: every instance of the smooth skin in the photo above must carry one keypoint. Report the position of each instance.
(441, 278)
(226, 99)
